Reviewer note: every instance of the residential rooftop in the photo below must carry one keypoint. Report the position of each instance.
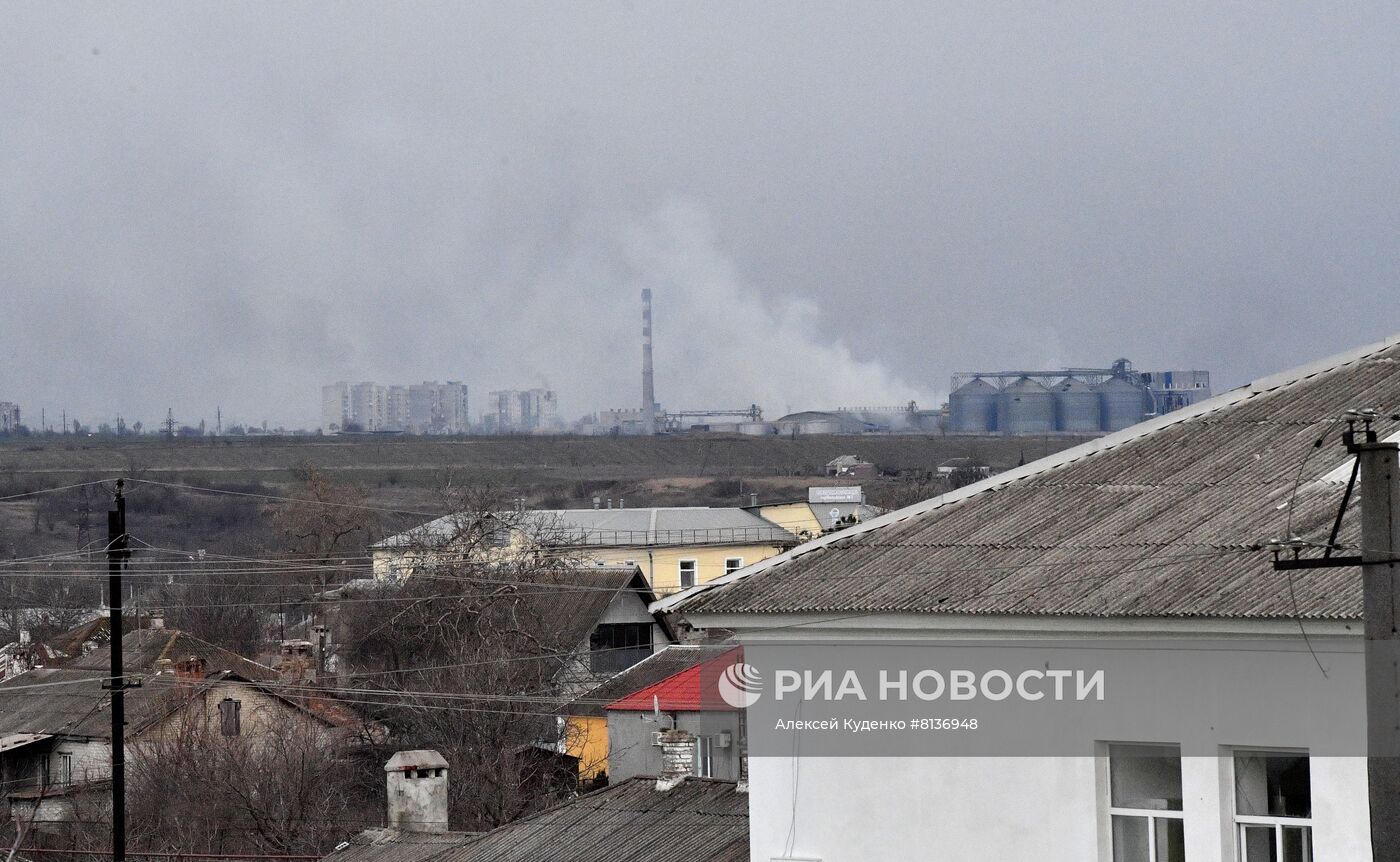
(1167, 518)
(700, 820)
(656, 667)
(618, 527)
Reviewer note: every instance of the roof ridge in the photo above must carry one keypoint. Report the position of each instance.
(1263, 386)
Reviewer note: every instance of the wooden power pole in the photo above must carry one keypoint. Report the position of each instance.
(1380, 573)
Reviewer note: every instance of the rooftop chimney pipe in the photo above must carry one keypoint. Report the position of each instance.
(677, 758)
(417, 790)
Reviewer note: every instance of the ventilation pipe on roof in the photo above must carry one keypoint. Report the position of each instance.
(610, 502)
(753, 500)
(417, 791)
(597, 502)
(620, 504)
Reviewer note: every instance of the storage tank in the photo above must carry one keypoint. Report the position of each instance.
(1076, 407)
(1026, 408)
(972, 408)
(1122, 402)
(757, 429)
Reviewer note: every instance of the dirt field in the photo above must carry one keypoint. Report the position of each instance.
(404, 473)
(528, 459)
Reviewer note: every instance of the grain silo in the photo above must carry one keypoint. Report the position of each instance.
(972, 408)
(1076, 407)
(1123, 403)
(1026, 408)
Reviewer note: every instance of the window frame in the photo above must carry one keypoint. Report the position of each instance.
(1240, 823)
(233, 717)
(605, 655)
(65, 768)
(1151, 815)
(703, 765)
(729, 568)
(694, 572)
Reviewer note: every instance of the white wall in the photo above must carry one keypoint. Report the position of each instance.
(989, 809)
(1053, 809)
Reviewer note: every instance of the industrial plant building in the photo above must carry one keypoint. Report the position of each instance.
(1085, 401)
(422, 408)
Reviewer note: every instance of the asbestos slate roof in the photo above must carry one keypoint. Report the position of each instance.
(695, 525)
(390, 845)
(143, 649)
(701, 820)
(1163, 519)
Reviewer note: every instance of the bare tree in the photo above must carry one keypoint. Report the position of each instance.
(283, 790)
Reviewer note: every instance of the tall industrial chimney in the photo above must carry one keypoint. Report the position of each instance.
(648, 384)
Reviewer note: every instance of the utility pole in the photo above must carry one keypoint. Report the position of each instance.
(117, 554)
(1378, 468)
(1380, 578)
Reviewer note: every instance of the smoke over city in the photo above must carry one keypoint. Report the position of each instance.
(231, 207)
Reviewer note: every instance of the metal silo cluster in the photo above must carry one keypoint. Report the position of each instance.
(1026, 407)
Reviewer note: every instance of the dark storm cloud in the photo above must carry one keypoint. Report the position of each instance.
(204, 205)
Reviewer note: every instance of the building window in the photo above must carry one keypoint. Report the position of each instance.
(687, 569)
(704, 757)
(229, 720)
(615, 647)
(1273, 806)
(733, 564)
(65, 769)
(1145, 803)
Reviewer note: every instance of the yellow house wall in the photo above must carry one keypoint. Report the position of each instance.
(662, 565)
(586, 737)
(793, 517)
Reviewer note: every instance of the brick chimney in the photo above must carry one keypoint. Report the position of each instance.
(417, 791)
(189, 669)
(297, 662)
(677, 758)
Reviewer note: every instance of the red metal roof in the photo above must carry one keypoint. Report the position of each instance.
(679, 692)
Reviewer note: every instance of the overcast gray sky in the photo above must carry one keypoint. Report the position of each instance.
(231, 204)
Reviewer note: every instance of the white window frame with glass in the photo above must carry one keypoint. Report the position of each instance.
(733, 564)
(65, 768)
(704, 766)
(681, 572)
(1246, 809)
(1153, 814)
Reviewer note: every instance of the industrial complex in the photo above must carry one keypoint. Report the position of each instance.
(1083, 401)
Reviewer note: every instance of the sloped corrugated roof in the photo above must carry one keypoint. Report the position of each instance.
(143, 649)
(679, 692)
(688, 525)
(1161, 519)
(654, 668)
(701, 820)
(391, 845)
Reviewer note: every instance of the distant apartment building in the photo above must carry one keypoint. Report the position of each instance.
(421, 408)
(517, 411)
(9, 417)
